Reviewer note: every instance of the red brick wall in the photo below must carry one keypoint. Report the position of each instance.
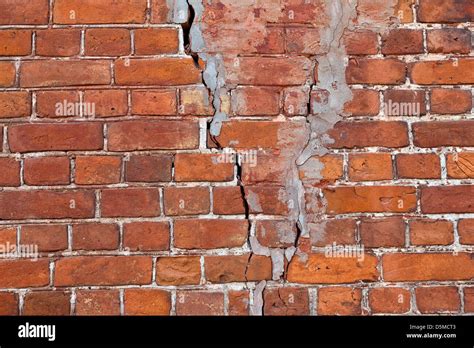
(206, 157)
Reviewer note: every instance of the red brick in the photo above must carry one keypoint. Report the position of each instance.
(51, 103)
(402, 41)
(165, 71)
(160, 11)
(265, 167)
(160, 102)
(387, 232)
(199, 303)
(437, 134)
(7, 74)
(58, 42)
(97, 302)
(333, 168)
(186, 200)
(15, 42)
(239, 302)
(437, 299)
(447, 199)
(96, 170)
(340, 231)
(53, 73)
(9, 171)
(271, 200)
(431, 232)
(146, 236)
(24, 273)
(46, 238)
(210, 234)
(147, 302)
(389, 300)
(149, 168)
(469, 300)
(449, 40)
(375, 199)
(427, 267)
(15, 104)
(384, 13)
(276, 233)
(451, 101)
(370, 133)
(156, 41)
(241, 268)
(47, 303)
(108, 103)
(55, 137)
(103, 270)
(286, 301)
(107, 42)
(376, 71)
(339, 301)
(130, 202)
(361, 42)
(32, 12)
(364, 103)
(8, 303)
(319, 269)
(202, 167)
(445, 72)
(295, 101)
(400, 102)
(301, 40)
(16, 205)
(185, 270)
(466, 231)
(270, 71)
(95, 236)
(228, 201)
(256, 101)
(8, 236)
(146, 135)
(370, 167)
(47, 171)
(99, 11)
(418, 166)
(445, 11)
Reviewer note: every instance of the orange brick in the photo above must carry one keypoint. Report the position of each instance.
(15, 42)
(154, 102)
(389, 300)
(96, 170)
(418, 166)
(147, 302)
(145, 236)
(370, 167)
(339, 301)
(186, 200)
(156, 41)
(202, 167)
(431, 232)
(58, 42)
(107, 42)
(437, 299)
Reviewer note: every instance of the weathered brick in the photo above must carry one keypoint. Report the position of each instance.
(55, 137)
(185, 270)
(376, 71)
(228, 269)
(202, 167)
(47, 171)
(186, 200)
(7, 74)
(431, 232)
(160, 102)
(9, 303)
(15, 104)
(256, 101)
(389, 300)
(447, 199)
(239, 302)
(145, 236)
(209, 234)
(370, 167)
(286, 301)
(164, 71)
(445, 72)
(103, 270)
(47, 238)
(339, 301)
(228, 201)
(319, 269)
(130, 202)
(340, 231)
(271, 200)
(199, 303)
(437, 299)
(447, 133)
(195, 101)
(51, 103)
(363, 103)
(445, 11)
(99, 11)
(46, 204)
(149, 168)
(276, 233)
(469, 299)
(361, 42)
(146, 135)
(427, 267)
(47, 303)
(107, 103)
(387, 232)
(418, 166)
(97, 302)
(373, 199)
(107, 42)
(147, 302)
(96, 170)
(9, 171)
(95, 236)
(466, 231)
(58, 42)
(451, 101)
(53, 73)
(15, 42)
(402, 41)
(33, 12)
(449, 40)
(24, 273)
(156, 41)
(404, 102)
